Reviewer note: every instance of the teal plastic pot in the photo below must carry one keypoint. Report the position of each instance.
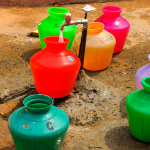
(50, 26)
(38, 125)
(138, 111)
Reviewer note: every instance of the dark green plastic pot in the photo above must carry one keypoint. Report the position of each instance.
(50, 26)
(38, 125)
(138, 111)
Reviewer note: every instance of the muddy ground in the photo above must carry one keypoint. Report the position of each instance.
(96, 105)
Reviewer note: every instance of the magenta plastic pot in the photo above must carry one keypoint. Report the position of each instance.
(141, 73)
(115, 24)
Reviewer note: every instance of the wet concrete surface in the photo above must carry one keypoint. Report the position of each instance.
(96, 105)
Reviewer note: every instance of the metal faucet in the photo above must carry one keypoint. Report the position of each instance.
(68, 22)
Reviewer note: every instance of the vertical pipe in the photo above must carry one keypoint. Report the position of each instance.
(82, 47)
(85, 15)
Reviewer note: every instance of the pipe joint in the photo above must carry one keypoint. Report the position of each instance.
(84, 22)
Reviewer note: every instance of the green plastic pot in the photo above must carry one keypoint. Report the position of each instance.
(138, 111)
(50, 26)
(38, 125)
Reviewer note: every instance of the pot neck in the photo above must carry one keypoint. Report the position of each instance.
(52, 44)
(146, 84)
(57, 12)
(95, 27)
(38, 103)
(111, 11)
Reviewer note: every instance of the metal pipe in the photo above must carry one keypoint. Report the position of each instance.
(83, 40)
(85, 15)
(84, 22)
(82, 47)
(84, 34)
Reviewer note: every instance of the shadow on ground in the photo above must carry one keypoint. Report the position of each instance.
(28, 54)
(58, 101)
(8, 148)
(120, 138)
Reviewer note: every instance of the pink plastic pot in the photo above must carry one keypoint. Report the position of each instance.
(141, 73)
(115, 24)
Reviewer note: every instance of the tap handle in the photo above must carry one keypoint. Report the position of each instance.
(68, 17)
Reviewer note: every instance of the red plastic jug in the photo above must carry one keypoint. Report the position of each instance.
(54, 68)
(115, 24)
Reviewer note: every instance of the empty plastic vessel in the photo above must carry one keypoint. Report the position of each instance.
(54, 68)
(99, 47)
(141, 73)
(138, 111)
(38, 125)
(50, 26)
(115, 24)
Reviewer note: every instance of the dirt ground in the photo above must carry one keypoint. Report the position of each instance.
(103, 125)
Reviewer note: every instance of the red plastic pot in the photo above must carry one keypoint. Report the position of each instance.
(54, 68)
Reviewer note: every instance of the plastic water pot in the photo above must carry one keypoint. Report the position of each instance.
(138, 111)
(99, 47)
(50, 26)
(141, 73)
(54, 68)
(38, 125)
(115, 24)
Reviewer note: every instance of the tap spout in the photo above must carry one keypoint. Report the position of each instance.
(67, 22)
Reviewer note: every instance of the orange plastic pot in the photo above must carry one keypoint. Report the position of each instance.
(99, 47)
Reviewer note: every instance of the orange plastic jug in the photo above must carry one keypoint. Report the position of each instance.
(99, 47)
(55, 68)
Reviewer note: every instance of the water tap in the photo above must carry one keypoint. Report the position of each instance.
(84, 34)
(68, 22)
